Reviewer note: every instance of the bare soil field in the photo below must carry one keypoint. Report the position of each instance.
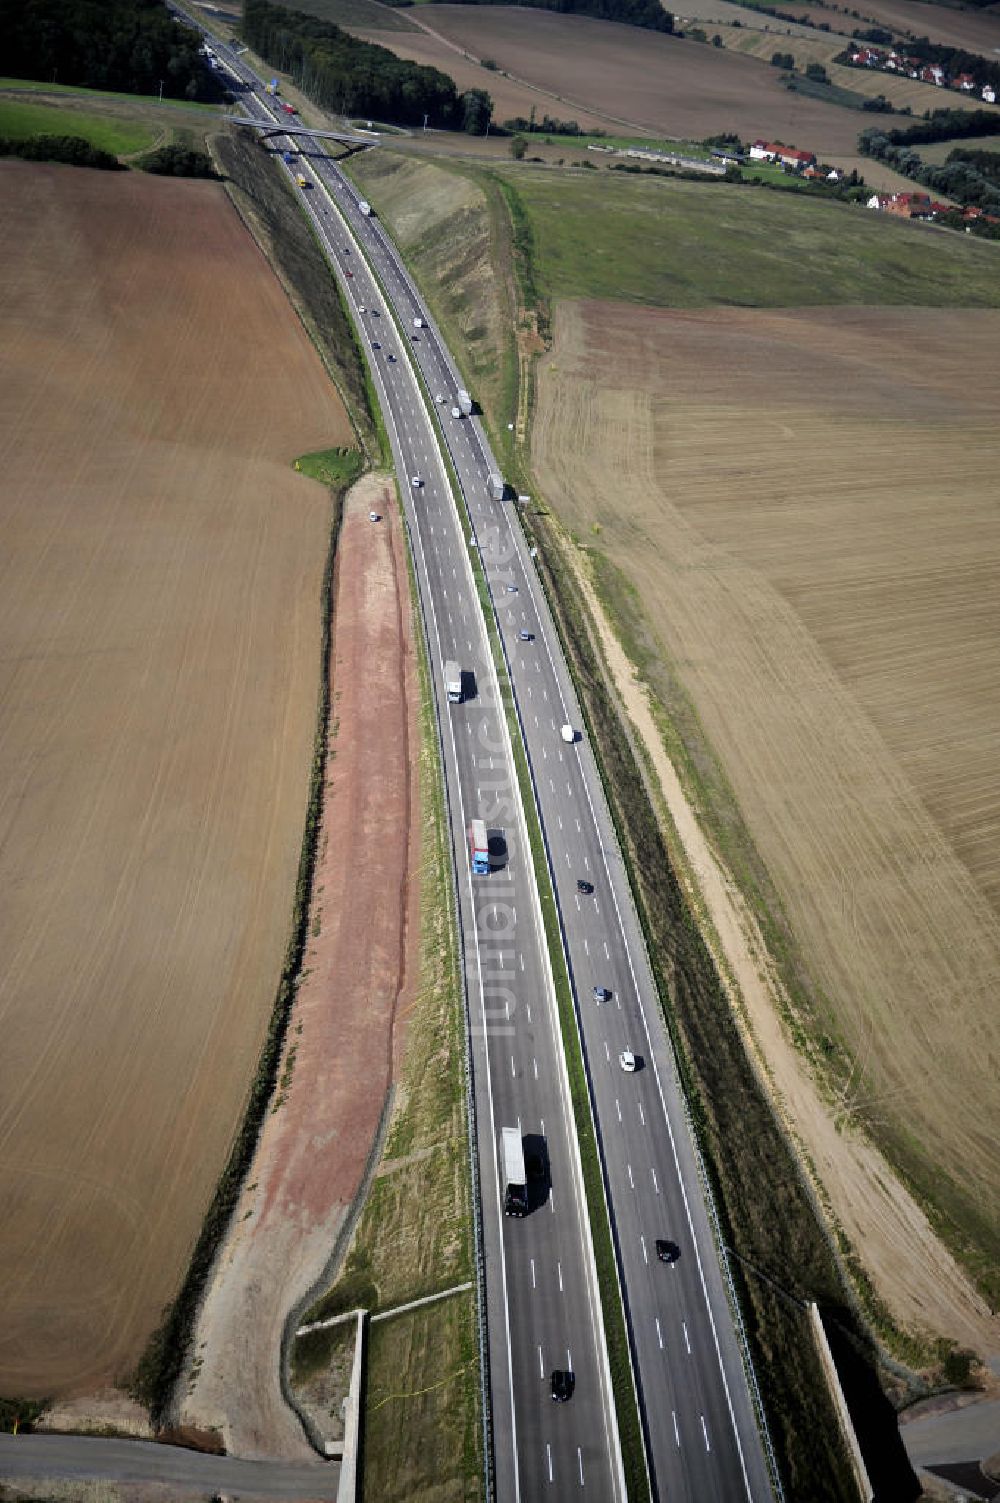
(343, 1042)
(641, 79)
(802, 499)
(160, 615)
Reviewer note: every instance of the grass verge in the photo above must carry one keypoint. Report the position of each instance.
(415, 1233)
(421, 1433)
(338, 467)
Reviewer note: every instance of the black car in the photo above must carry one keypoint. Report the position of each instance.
(667, 1252)
(584, 887)
(601, 994)
(562, 1386)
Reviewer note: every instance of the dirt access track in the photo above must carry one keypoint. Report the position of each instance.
(160, 584)
(358, 973)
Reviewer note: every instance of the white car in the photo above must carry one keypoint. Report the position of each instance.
(439, 399)
(568, 734)
(373, 516)
(416, 482)
(362, 308)
(627, 1061)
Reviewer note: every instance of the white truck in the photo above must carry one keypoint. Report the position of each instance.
(515, 1180)
(453, 682)
(418, 323)
(496, 488)
(465, 403)
(365, 207)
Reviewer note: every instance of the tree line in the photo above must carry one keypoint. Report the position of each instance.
(132, 46)
(646, 13)
(350, 77)
(939, 125)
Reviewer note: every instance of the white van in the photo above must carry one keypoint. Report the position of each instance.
(568, 734)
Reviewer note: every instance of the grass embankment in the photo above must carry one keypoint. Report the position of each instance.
(38, 86)
(676, 244)
(414, 1237)
(272, 213)
(462, 269)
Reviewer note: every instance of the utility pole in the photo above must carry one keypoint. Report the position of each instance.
(426, 118)
(161, 90)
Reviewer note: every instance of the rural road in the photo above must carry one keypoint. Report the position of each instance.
(80, 1457)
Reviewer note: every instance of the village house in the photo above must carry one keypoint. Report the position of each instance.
(904, 205)
(989, 93)
(935, 74)
(965, 82)
(769, 151)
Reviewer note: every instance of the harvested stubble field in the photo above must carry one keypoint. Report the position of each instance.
(160, 614)
(803, 501)
(643, 79)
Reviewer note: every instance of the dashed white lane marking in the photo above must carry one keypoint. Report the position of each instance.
(687, 1341)
(659, 1333)
(704, 1431)
(630, 1179)
(656, 1186)
(677, 1433)
(645, 1254)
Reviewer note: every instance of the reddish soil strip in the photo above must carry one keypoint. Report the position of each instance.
(359, 971)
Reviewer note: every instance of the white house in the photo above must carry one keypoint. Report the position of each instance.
(989, 93)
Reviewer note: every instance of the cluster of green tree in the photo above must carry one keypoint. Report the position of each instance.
(962, 177)
(783, 60)
(877, 35)
(177, 161)
(646, 13)
(784, 15)
(129, 45)
(72, 149)
(547, 126)
(358, 78)
(941, 125)
(879, 105)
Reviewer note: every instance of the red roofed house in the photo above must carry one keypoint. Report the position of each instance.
(965, 82)
(770, 151)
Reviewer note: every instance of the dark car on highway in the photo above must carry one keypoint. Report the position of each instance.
(584, 887)
(563, 1384)
(667, 1252)
(601, 994)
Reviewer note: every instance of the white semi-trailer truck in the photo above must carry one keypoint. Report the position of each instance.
(464, 404)
(453, 682)
(496, 487)
(515, 1180)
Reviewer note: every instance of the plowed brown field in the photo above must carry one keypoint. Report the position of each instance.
(806, 502)
(650, 81)
(160, 620)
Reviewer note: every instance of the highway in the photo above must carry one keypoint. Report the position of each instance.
(700, 1428)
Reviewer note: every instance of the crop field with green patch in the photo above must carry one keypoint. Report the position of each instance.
(122, 137)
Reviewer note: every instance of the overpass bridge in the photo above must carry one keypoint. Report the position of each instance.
(290, 128)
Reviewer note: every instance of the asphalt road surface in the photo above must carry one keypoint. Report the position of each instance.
(79, 1457)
